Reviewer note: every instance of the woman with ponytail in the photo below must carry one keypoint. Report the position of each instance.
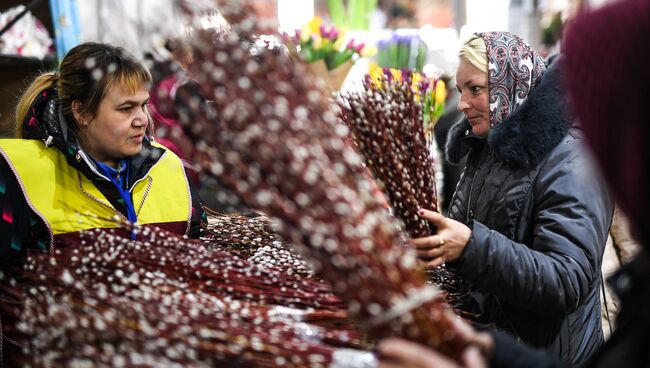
(83, 157)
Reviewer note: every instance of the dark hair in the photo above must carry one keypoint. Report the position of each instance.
(86, 74)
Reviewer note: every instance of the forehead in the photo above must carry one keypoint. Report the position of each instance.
(119, 92)
(467, 72)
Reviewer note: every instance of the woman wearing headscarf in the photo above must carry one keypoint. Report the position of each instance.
(528, 222)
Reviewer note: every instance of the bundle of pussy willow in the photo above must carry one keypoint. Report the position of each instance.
(102, 299)
(254, 239)
(271, 135)
(386, 119)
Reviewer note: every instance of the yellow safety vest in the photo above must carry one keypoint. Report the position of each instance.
(68, 201)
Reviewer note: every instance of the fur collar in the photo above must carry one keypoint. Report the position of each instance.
(529, 134)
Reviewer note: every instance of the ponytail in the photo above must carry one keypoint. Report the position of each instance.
(41, 83)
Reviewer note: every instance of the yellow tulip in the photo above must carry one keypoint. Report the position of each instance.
(305, 34)
(338, 45)
(369, 51)
(317, 42)
(376, 74)
(314, 25)
(441, 92)
(416, 78)
(397, 74)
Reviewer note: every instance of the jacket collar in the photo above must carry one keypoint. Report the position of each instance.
(138, 165)
(528, 134)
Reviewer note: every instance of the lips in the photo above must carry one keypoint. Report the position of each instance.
(473, 119)
(137, 138)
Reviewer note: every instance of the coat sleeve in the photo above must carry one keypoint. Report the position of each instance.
(199, 218)
(510, 353)
(559, 266)
(20, 228)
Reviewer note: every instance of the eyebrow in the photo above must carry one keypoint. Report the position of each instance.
(471, 81)
(134, 102)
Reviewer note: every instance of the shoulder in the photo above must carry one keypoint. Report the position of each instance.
(570, 171)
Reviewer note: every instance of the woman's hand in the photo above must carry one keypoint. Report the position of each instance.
(447, 245)
(395, 353)
(398, 353)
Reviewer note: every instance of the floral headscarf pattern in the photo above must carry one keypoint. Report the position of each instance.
(514, 69)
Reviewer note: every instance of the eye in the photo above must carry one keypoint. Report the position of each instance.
(476, 89)
(125, 108)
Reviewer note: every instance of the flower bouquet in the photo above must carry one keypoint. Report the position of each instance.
(325, 51)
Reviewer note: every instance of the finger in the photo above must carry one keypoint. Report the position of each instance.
(427, 242)
(463, 328)
(472, 357)
(437, 262)
(434, 217)
(430, 253)
(412, 354)
(422, 263)
(390, 364)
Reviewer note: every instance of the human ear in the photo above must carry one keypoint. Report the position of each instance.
(78, 115)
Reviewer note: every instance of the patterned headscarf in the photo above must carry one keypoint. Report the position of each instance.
(514, 69)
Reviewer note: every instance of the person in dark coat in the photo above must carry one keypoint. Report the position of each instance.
(607, 73)
(528, 222)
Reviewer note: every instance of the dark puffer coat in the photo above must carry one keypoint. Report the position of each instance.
(539, 216)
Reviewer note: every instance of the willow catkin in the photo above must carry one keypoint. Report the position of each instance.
(272, 136)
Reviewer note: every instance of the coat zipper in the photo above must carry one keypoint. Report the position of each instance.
(99, 200)
(146, 193)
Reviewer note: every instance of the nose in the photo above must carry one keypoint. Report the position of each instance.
(462, 103)
(141, 119)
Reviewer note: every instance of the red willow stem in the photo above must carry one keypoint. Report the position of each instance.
(102, 297)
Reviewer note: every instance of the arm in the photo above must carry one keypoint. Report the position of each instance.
(558, 268)
(199, 218)
(20, 228)
(490, 348)
(508, 352)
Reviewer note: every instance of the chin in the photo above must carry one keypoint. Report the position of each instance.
(480, 132)
(133, 152)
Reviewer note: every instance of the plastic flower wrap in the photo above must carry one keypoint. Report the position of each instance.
(404, 50)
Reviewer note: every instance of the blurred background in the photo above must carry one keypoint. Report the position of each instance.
(415, 35)
(36, 34)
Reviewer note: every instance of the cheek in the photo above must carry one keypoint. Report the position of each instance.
(109, 133)
(484, 103)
